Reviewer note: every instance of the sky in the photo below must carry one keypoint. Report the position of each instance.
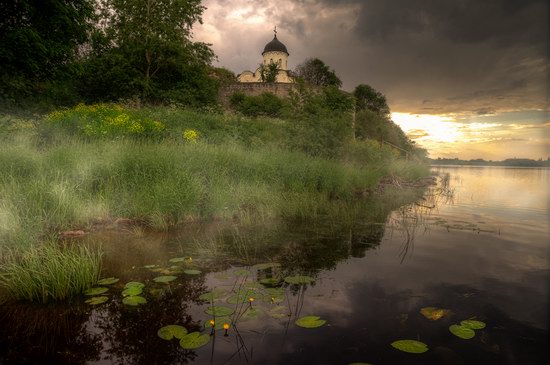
(463, 78)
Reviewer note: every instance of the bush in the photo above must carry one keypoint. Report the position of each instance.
(266, 104)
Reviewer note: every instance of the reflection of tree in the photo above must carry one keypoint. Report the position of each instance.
(131, 333)
(53, 334)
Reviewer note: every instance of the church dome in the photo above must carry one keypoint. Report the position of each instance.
(275, 46)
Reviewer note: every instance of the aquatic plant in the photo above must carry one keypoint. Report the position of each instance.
(108, 281)
(134, 300)
(97, 300)
(49, 272)
(194, 340)
(411, 346)
(172, 331)
(310, 322)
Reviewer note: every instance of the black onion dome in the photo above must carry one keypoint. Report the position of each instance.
(275, 46)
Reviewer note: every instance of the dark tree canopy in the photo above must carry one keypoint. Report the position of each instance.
(367, 98)
(314, 71)
(38, 39)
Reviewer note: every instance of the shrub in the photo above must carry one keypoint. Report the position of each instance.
(266, 104)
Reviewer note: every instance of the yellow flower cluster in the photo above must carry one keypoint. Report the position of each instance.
(190, 135)
(119, 120)
(136, 128)
(55, 116)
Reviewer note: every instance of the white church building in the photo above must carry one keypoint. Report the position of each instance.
(274, 52)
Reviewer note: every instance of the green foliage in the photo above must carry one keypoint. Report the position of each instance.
(172, 331)
(49, 272)
(268, 73)
(367, 98)
(266, 104)
(462, 331)
(104, 121)
(194, 340)
(314, 72)
(310, 322)
(39, 38)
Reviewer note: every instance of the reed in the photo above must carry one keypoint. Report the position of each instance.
(48, 272)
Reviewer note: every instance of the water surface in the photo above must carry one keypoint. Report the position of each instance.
(476, 244)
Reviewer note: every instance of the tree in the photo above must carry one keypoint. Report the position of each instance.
(367, 98)
(314, 71)
(39, 39)
(268, 73)
(153, 36)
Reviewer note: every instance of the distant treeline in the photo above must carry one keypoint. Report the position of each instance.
(519, 162)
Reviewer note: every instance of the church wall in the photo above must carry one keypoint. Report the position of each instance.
(254, 89)
(276, 57)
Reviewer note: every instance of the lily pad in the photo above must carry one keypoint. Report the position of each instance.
(265, 266)
(462, 331)
(219, 311)
(236, 299)
(310, 322)
(192, 272)
(212, 295)
(194, 340)
(270, 281)
(108, 281)
(252, 313)
(134, 284)
(150, 266)
(97, 300)
(473, 324)
(242, 272)
(132, 291)
(279, 311)
(171, 331)
(410, 346)
(96, 291)
(134, 301)
(434, 313)
(177, 259)
(165, 279)
(299, 279)
(218, 323)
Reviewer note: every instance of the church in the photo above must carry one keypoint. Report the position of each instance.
(274, 52)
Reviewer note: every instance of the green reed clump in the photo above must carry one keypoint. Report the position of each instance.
(48, 272)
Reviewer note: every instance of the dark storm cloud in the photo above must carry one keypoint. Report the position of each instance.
(428, 56)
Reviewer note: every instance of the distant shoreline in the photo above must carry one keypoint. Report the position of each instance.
(513, 162)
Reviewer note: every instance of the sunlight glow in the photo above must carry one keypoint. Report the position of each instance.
(437, 128)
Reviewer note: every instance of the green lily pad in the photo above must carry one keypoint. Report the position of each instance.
(410, 346)
(194, 340)
(212, 295)
(171, 331)
(134, 301)
(299, 280)
(132, 291)
(150, 266)
(279, 311)
(242, 272)
(270, 281)
(165, 279)
(219, 311)
(134, 284)
(310, 322)
(473, 324)
(251, 313)
(462, 331)
(434, 313)
(97, 300)
(235, 299)
(265, 266)
(192, 272)
(177, 259)
(218, 323)
(96, 291)
(108, 281)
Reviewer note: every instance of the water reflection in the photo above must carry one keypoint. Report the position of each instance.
(457, 246)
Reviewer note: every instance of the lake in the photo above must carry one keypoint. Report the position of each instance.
(473, 247)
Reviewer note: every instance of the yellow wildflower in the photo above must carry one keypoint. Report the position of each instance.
(190, 135)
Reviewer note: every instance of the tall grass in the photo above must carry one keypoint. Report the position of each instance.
(48, 272)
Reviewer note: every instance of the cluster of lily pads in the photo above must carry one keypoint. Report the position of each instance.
(466, 330)
(247, 300)
(132, 290)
